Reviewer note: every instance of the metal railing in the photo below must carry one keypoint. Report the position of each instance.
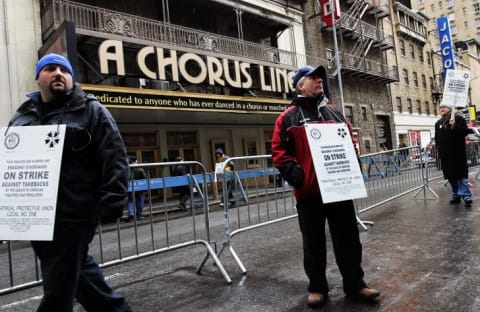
(95, 19)
(260, 197)
(122, 242)
(249, 202)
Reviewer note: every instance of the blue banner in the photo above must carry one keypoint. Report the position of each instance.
(446, 44)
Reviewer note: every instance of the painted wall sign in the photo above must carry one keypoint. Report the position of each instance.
(446, 44)
(194, 68)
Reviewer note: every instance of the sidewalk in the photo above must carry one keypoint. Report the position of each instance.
(422, 254)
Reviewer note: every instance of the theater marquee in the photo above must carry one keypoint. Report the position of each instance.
(120, 97)
(194, 68)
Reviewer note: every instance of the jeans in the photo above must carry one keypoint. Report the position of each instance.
(68, 272)
(139, 203)
(460, 187)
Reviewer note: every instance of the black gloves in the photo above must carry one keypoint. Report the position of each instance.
(293, 173)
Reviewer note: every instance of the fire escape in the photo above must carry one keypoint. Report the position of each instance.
(363, 41)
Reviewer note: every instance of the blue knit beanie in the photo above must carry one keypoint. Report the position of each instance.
(53, 58)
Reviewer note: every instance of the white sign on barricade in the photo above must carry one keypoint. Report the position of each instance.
(30, 163)
(335, 161)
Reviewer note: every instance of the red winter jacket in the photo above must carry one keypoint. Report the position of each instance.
(290, 150)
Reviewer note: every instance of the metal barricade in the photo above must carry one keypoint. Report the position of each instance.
(258, 198)
(395, 173)
(121, 242)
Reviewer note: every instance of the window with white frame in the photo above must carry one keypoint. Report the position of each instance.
(449, 3)
(477, 22)
(476, 7)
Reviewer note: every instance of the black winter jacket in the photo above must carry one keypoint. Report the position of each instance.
(94, 170)
(450, 144)
(290, 150)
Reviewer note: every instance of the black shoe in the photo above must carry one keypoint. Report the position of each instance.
(128, 218)
(455, 200)
(364, 294)
(316, 300)
(468, 202)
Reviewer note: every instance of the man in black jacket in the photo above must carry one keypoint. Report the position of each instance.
(450, 133)
(92, 187)
(291, 155)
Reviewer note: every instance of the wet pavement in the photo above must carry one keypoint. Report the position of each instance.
(423, 254)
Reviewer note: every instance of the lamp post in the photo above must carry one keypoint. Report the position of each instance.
(337, 60)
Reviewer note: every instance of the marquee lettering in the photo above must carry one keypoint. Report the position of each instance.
(194, 68)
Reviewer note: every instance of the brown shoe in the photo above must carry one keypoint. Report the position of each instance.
(364, 294)
(316, 300)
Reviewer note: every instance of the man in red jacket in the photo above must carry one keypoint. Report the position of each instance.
(291, 155)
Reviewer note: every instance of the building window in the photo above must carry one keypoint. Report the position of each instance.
(405, 77)
(412, 52)
(349, 114)
(454, 30)
(415, 79)
(476, 7)
(424, 82)
(449, 3)
(428, 58)
(427, 108)
(431, 83)
(420, 55)
(402, 47)
(409, 106)
(399, 104)
(419, 107)
(366, 143)
(477, 22)
(364, 113)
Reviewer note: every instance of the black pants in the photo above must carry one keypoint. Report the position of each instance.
(68, 272)
(343, 228)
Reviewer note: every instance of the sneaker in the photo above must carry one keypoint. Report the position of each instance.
(468, 201)
(455, 200)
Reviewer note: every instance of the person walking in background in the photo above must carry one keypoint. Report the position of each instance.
(450, 136)
(136, 209)
(220, 158)
(92, 187)
(183, 190)
(292, 156)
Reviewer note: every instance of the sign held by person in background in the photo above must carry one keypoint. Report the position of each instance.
(455, 91)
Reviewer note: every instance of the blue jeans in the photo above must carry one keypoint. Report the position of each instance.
(460, 187)
(68, 272)
(139, 202)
